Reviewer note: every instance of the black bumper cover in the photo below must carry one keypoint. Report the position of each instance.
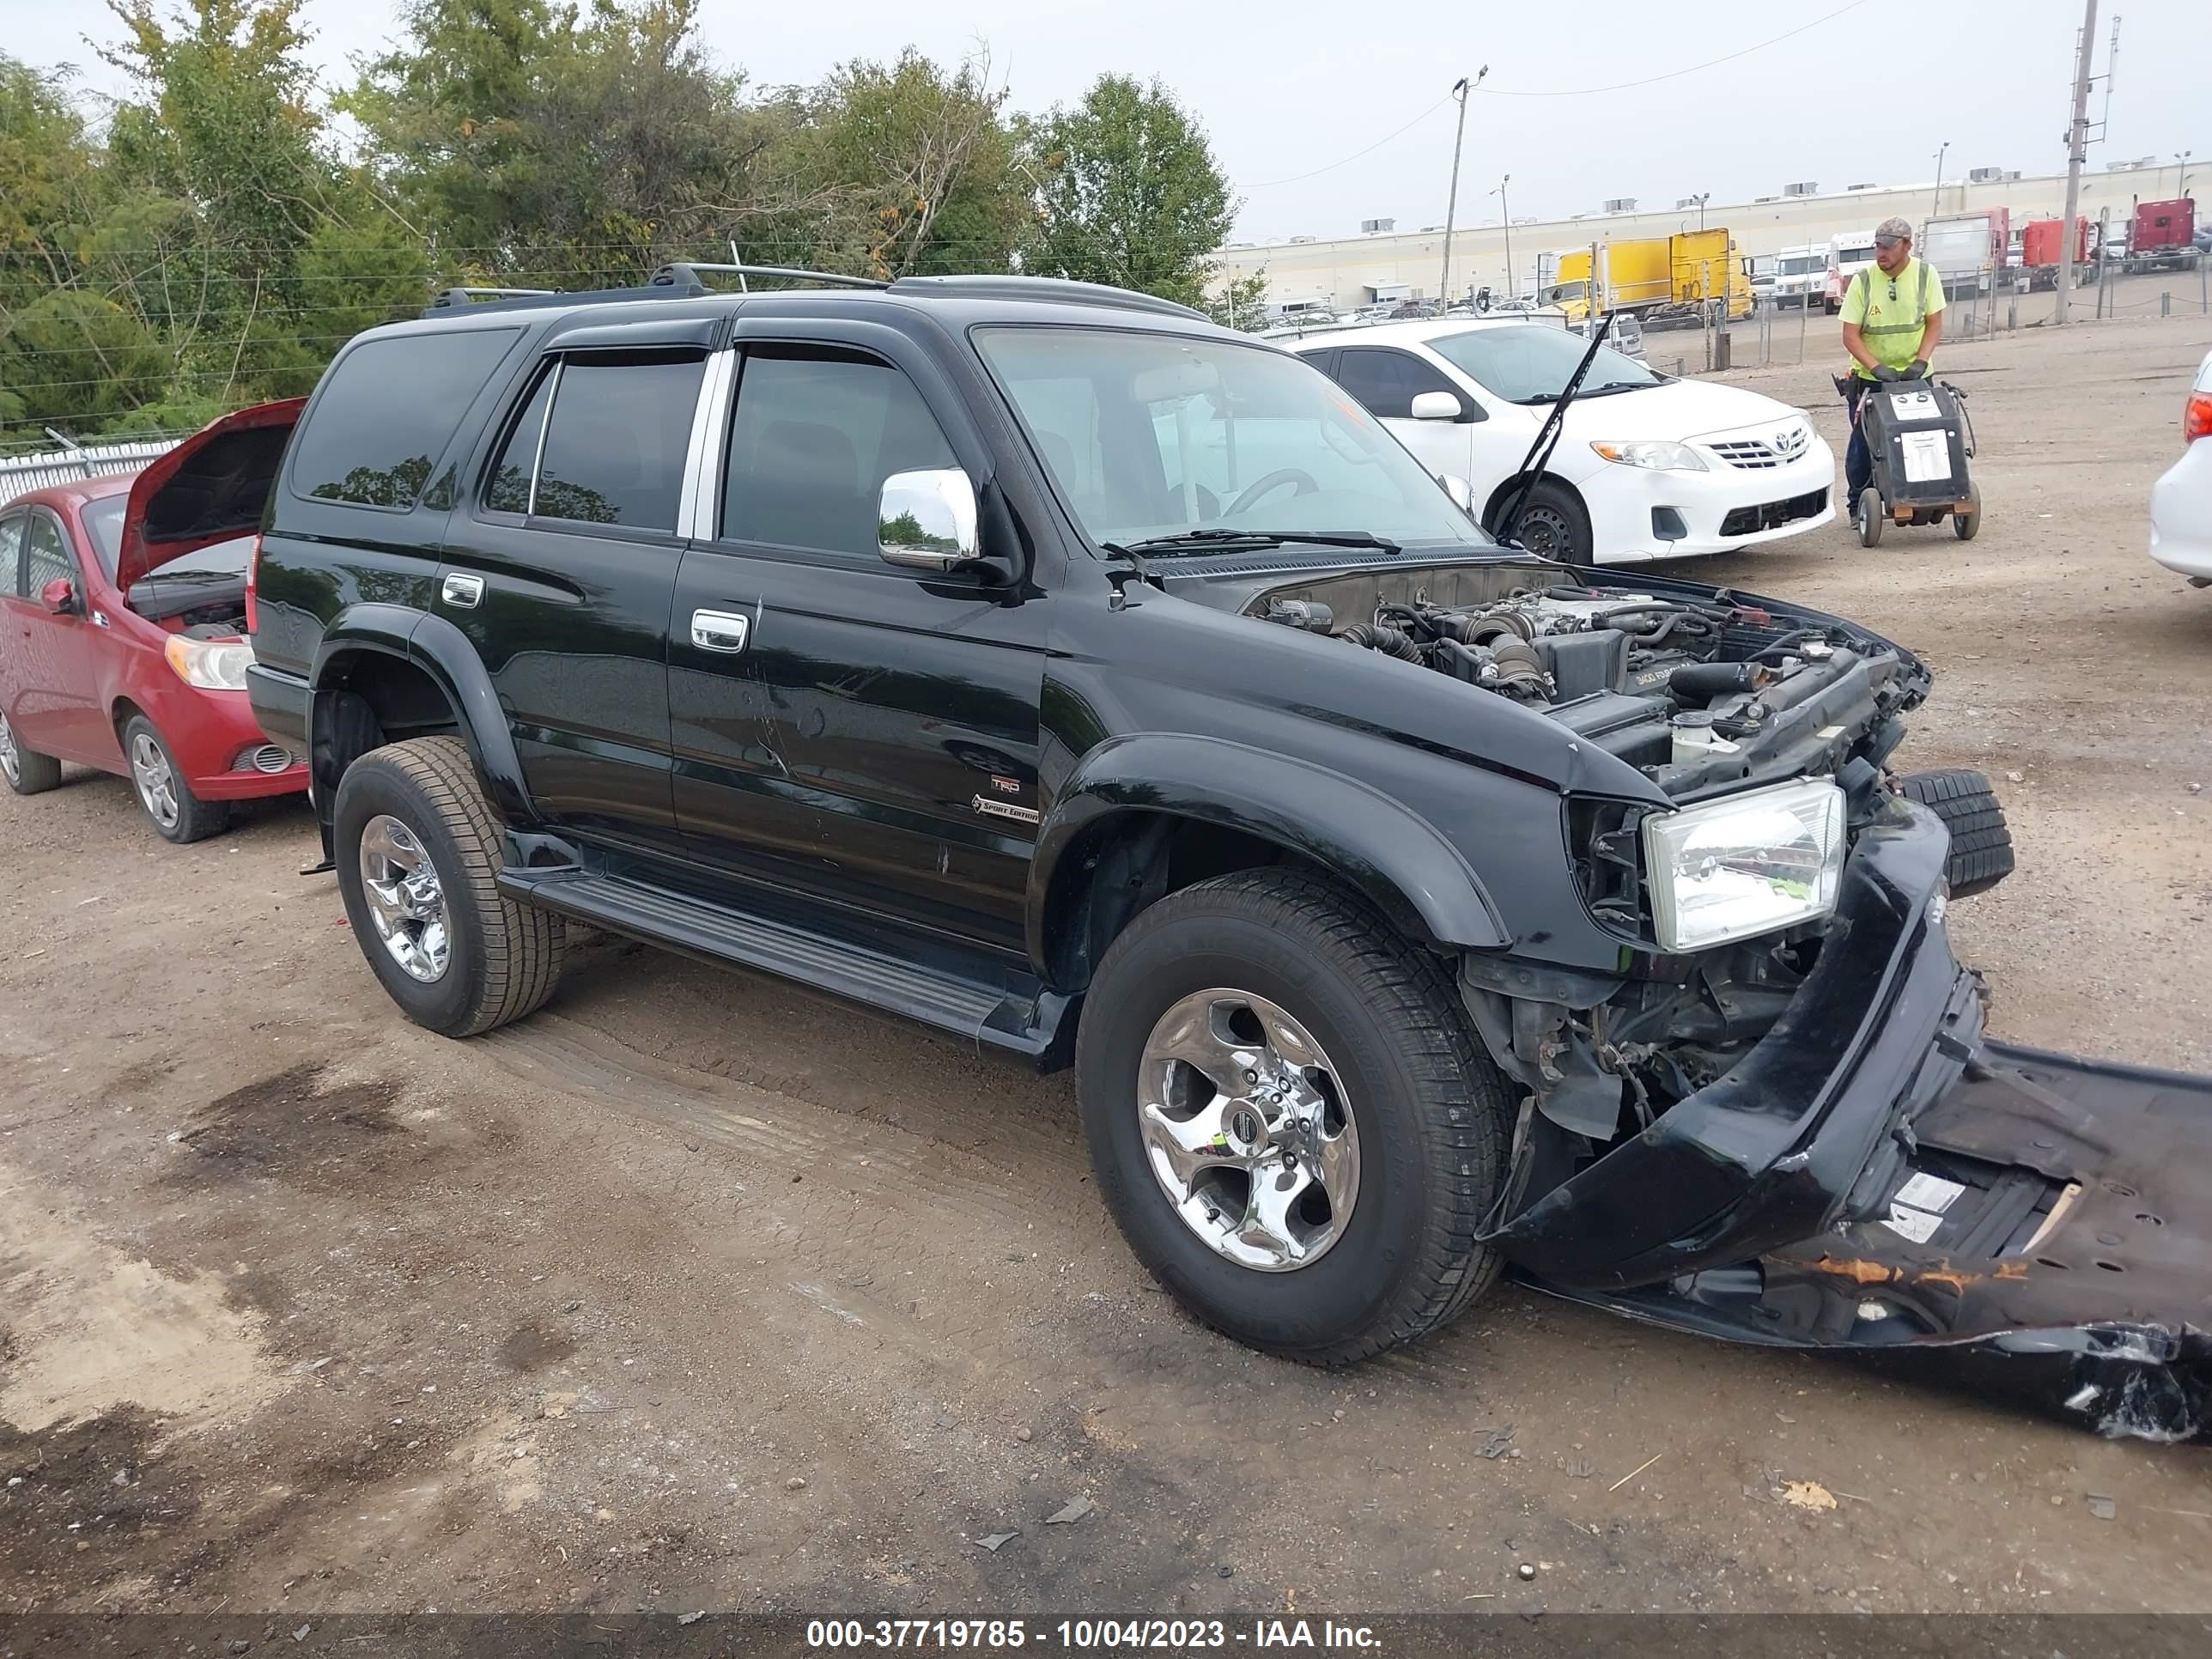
(2073, 1274)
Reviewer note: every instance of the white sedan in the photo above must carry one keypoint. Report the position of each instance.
(1647, 466)
(2181, 502)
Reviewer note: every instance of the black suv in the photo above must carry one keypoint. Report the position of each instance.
(1045, 663)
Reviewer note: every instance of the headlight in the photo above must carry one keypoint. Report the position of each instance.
(211, 664)
(1658, 456)
(1761, 861)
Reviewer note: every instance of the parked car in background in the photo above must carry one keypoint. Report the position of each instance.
(2181, 502)
(1649, 467)
(126, 647)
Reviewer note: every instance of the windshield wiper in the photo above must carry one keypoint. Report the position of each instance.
(1224, 540)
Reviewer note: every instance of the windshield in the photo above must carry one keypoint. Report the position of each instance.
(1151, 434)
(103, 522)
(1525, 364)
(1855, 256)
(1798, 266)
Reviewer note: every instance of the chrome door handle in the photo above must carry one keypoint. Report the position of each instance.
(462, 592)
(719, 630)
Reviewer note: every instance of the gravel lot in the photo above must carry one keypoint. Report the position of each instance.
(699, 1290)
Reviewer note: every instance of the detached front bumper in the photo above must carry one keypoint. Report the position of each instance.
(1876, 1177)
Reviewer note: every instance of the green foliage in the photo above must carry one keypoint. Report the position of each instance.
(1128, 191)
(1241, 304)
(214, 240)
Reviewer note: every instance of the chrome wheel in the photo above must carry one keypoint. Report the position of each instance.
(1248, 1130)
(406, 905)
(156, 780)
(9, 764)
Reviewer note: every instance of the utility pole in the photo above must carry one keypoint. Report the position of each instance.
(1461, 87)
(1936, 206)
(2181, 160)
(2077, 146)
(1506, 216)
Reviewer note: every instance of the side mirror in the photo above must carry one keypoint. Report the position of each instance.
(926, 519)
(1461, 491)
(1435, 406)
(59, 596)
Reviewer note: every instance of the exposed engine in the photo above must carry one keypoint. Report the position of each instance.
(1696, 694)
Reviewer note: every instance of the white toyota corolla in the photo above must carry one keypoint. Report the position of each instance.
(2181, 502)
(1647, 466)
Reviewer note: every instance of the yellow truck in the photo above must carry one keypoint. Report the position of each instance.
(1653, 276)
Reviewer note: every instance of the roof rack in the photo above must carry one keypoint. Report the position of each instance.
(1060, 289)
(687, 271)
(455, 298)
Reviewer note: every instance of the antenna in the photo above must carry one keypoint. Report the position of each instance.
(2112, 63)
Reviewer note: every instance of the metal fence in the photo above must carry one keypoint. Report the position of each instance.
(71, 463)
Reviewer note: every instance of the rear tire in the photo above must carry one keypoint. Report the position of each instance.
(28, 771)
(1981, 852)
(456, 954)
(170, 806)
(1406, 1077)
(1869, 517)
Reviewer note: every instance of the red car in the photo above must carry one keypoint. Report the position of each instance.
(123, 606)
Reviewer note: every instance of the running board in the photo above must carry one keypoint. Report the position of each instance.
(967, 992)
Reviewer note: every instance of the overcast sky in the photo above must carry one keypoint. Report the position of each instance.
(1291, 92)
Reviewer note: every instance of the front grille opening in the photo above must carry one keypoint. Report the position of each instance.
(1772, 515)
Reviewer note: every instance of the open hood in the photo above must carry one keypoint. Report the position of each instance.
(209, 487)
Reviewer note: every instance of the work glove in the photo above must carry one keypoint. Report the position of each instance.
(1884, 372)
(1918, 370)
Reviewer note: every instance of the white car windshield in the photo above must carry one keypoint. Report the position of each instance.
(1525, 364)
(1153, 435)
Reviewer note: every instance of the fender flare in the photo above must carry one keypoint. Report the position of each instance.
(441, 651)
(1393, 856)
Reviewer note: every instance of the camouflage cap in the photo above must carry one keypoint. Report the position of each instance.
(1896, 227)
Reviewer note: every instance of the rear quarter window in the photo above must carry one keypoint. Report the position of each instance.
(386, 413)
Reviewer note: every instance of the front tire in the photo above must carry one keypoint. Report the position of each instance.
(1554, 525)
(417, 851)
(28, 771)
(175, 812)
(1290, 1118)
(1981, 852)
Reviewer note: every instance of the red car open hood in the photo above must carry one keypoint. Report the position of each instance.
(209, 487)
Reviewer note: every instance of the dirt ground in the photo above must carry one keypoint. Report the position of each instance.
(699, 1290)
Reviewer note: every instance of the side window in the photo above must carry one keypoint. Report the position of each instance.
(814, 434)
(602, 440)
(1386, 382)
(386, 411)
(46, 555)
(12, 555)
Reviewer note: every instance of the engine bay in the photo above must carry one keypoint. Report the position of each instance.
(1701, 694)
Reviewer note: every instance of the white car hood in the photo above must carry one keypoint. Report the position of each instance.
(1680, 410)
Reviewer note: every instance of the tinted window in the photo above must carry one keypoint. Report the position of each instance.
(46, 555)
(386, 412)
(1385, 382)
(615, 439)
(815, 435)
(1528, 363)
(103, 522)
(511, 473)
(12, 555)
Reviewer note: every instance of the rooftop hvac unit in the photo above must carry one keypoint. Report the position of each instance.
(1868, 186)
(1376, 227)
(1985, 175)
(1620, 204)
(1808, 188)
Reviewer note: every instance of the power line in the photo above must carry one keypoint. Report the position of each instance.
(1675, 75)
(1356, 154)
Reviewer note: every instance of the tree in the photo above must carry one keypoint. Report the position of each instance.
(1128, 192)
(908, 169)
(1241, 303)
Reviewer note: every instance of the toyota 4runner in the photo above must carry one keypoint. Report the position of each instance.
(1046, 665)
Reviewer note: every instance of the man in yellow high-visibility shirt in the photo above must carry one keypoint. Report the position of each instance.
(1893, 318)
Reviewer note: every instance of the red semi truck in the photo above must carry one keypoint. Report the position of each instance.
(2043, 250)
(2162, 237)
